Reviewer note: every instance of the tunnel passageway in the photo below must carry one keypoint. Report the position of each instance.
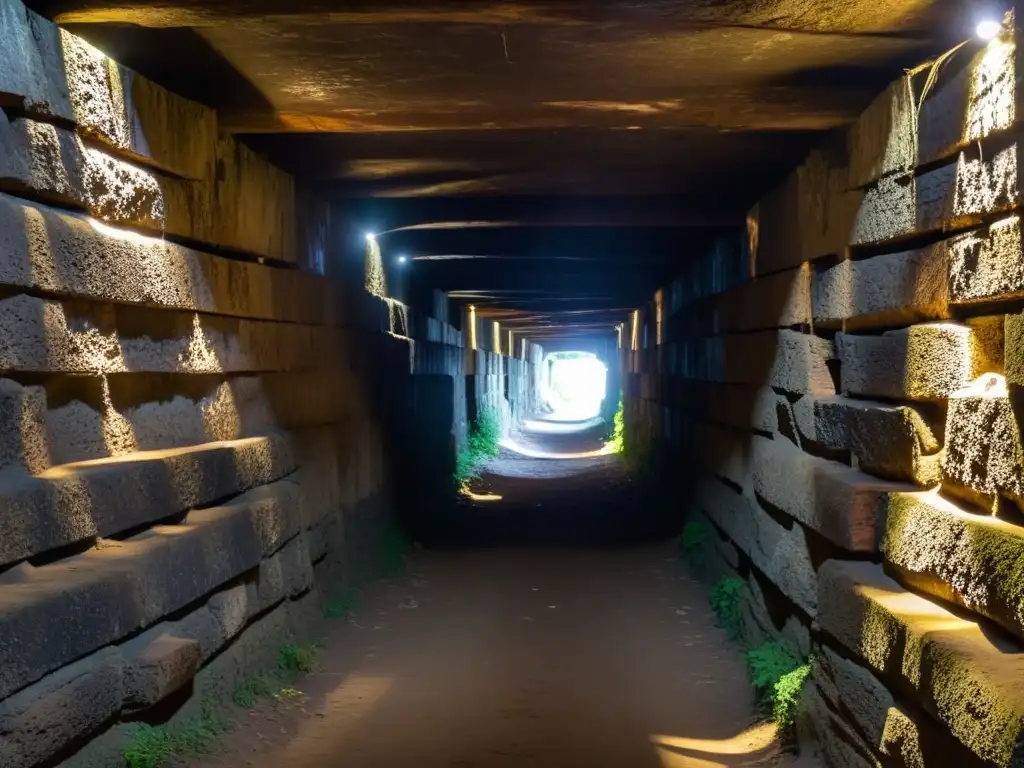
(569, 655)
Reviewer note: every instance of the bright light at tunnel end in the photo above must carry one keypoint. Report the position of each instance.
(370, 237)
(988, 29)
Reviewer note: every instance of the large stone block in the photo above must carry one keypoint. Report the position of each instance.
(937, 548)
(286, 574)
(780, 553)
(923, 362)
(63, 708)
(843, 504)
(883, 141)
(984, 453)
(896, 442)
(63, 611)
(156, 664)
(785, 359)
(31, 73)
(74, 502)
(968, 679)
(55, 251)
(975, 102)
(97, 338)
(776, 222)
(987, 264)
(213, 625)
(23, 442)
(899, 736)
(775, 301)
(959, 193)
(888, 290)
(53, 163)
(837, 742)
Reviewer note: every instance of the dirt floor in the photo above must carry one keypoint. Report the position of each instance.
(522, 656)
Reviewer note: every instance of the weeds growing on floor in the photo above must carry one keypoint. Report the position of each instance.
(778, 673)
(481, 446)
(726, 597)
(152, 746)
(617, 443)
(691, 543)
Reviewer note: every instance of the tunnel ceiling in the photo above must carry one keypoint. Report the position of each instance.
(590, 144)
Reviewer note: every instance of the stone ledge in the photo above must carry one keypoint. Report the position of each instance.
(75, 502)
(978, 562)
(924, 362)
(968, 679)
(894, 442)
(45, 249)
(63, 611)
(892, 289)
(70, 704)
(839, 502)
(79, 337)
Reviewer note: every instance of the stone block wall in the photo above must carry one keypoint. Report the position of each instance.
(193, 439)
(836, 398)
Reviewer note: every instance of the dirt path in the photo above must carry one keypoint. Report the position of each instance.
(520, 657)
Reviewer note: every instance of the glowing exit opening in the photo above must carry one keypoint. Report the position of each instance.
(574, 385)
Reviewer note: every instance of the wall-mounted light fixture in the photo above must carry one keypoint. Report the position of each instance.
(370, 237)
(402, 259)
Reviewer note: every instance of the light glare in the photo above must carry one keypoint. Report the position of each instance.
(988, 29)
(370, 237)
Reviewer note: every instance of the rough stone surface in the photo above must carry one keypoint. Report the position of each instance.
(222, 618)
(987, 264)
(892, 289)
(788, 360)
(73, 502)
(69, 705)
(977, 101)
(23, 442)
(942, 550)
(883, 141)
(84, 337)
(53, 163)
(984, 453)
(30, 70)
(971, 681)
(72, 607)
(839, 743)
(923, 362)
(841, 503)
(895, 442)
(776, 301)
(50, 250)
(780, 553)
(286, 574)
(758, 626)
(156, 664)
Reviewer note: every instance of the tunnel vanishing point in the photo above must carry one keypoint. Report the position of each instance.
(283, 476)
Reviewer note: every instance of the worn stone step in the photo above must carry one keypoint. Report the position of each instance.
(76, 502)
(968, 678)
(843, 504)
